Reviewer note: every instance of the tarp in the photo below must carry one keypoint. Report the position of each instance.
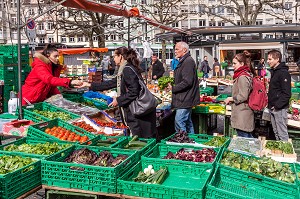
(72, 51)
(117, 10)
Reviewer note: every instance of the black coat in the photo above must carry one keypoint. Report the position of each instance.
(158, 69)
(186, 88)
(279, 88)
(144, 126)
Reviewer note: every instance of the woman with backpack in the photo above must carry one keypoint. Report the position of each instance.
(242, 116)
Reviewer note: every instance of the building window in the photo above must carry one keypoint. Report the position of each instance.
(288, 21)
(106, 37)
(259, 22)
(269, 36)
(202, 23)
(184, 24)
(40, 11)
(221, 23)
(14, 34)
(184, 8)
(193, 23)
(239, 23)
(95, 38)
(31, 11)
(80, 38)
(42, 40)
(143, 2)
(201, 8)
(133, 2)
(113, 37)
(121, 37)
(212, 23)
(175, 25)
(288, 6)
(72, 39)
(50, 26)
(14, 20)
(13, 3)
(121, 24)
(230, 10)
(41, 26)
(63, 39)
(221, 10)
(212, 10)
(50, 39)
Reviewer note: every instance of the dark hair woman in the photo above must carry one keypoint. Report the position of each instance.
(43, 79)
(242, 116)
(128, 89)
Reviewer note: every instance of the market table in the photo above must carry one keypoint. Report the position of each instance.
(32, 191)
(90, 192)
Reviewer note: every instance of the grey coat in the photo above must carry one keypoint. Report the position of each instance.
(242, 116)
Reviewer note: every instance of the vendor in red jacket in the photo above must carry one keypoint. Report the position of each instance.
(43, 79)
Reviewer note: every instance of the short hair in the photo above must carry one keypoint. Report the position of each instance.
(276, 54)
(154, 55)
(216, 59)
(184, 45)
(204, 56)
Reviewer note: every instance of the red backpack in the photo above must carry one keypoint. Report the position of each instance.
(258, 98)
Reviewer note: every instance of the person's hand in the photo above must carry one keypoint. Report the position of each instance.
(114, 102)
(228, 100)
(154, 77)
(76, 83)
(169, 87)
(84, 85)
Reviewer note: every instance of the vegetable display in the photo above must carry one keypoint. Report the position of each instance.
(150, 176)
(64, 134)
(204, 155)
(164, 81)
(286, 147)
(53, 115)
(85, 126)
(247, 145)
(216, 141)
(86, 156)
(103, 123)
(181, 137)
(107, 142)
(264, 166)
(11, 163)
(41, 148)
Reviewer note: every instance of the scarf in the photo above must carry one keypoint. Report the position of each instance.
(120, 73)
(240, 71)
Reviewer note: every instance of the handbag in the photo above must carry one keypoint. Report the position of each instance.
(145, 102)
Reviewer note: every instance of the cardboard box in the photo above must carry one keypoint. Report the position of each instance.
(17, 127)
(95, 73)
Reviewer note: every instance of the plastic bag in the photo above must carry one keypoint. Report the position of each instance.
(92, 94)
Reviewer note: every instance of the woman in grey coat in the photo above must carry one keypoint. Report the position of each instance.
(242, 116)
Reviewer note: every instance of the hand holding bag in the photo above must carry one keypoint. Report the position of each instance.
(145, 102)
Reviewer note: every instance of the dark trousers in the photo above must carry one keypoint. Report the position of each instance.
(143, 127)
(111, 72)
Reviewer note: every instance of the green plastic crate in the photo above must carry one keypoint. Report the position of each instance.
(103, 137)
(178, 184)
(198, 138)
(160, 151)
(55, 194)
(99, 105)
(295, 90)
(150, 144)
(233, 183)
(222, 97)
(38, 130)
(207, 90)
(200, 109)
(17, 183)
(87, 177)
(32, 141)
(44, 106)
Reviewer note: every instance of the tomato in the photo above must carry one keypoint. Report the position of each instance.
(67, 134)
(47, 130)
(70, 139)
(63, 138)
(77, 137)
(83, 139)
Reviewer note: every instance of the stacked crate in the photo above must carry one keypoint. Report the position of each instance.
(9, 69)
(95, 76)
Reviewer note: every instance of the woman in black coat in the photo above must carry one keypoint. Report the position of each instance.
(128, 89)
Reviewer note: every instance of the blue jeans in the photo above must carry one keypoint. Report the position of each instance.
(183, 120)
(205, 75)
(243, 134)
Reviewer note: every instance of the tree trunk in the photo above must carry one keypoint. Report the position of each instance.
(163, 51)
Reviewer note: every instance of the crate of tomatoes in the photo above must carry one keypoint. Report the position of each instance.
(59, 130)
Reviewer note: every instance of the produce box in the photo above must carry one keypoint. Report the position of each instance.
(216, 108)
(55, 194)
(20, 181)
(207, 90)
(279, 150)
(199, 140)
(57, 173)
(180, 183)
(229, 182)
(107, 141)
(201, 108)
(158, 153)
(222, 97)
(31, 114)
(140, 145)
(246, 145)
(38, 153)
(16, 127)
(297, 167)
(38, 130)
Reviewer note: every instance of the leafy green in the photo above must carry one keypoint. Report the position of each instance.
(40, 149)
(164, 81)
(11, 163)
(216, 141)
(286, 147)
(264, 166)
(53, 115)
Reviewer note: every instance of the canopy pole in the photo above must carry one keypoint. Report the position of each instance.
(19, 60)
(128, 32)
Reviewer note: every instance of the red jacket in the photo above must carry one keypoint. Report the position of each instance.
(41, 83)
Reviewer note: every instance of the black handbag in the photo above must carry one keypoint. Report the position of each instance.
(145, 102)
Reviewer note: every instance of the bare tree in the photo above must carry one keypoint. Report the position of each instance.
(246, 10)
(167, 12)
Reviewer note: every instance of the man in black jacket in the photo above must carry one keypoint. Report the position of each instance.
(185, 91)
(279, 94)
(156, 67)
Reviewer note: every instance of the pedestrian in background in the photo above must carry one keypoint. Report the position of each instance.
(260, 67)
(242, 116)
(185, 91)
(112, 66)
(279, 94)
(217, 68)
(174, 63)
(105, 64)
(205, 67)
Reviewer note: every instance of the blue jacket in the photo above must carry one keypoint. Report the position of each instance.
(174, 63)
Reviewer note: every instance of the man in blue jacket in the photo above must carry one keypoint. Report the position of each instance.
(185, 91)
(279, 94)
